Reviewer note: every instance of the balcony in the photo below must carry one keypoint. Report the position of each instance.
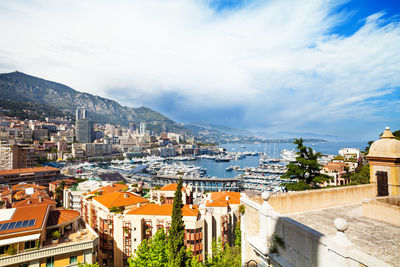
(83, 239)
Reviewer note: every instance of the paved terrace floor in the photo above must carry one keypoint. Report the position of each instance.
(376, 238)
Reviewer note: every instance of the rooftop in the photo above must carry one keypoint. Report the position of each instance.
(35, 215)
(376, 238)
(386, 147)
(34, 201)
(170, 187)
(231, 197)
(28, 170)
(119, 199)
(163, 210)
(57, 217)
(111, 188)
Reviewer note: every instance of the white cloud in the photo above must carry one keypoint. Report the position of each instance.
(274, 58)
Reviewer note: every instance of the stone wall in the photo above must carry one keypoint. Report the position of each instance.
(321, 198)
(386, 209)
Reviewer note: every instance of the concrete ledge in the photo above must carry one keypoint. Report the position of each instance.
(321, 198)
(385, 209)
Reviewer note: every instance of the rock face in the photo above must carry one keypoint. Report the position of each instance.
(17, 86)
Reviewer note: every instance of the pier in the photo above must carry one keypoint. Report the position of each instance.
(204, 183)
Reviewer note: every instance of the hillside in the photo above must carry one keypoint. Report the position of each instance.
(17, 86)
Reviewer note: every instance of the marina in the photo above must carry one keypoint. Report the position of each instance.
(242, 167)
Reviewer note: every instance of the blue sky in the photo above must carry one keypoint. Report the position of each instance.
(329, 67)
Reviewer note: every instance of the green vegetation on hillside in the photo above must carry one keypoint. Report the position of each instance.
(30, 110)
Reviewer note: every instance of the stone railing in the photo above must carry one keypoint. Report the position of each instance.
(321, 198)
(269, 238)
(48, 251)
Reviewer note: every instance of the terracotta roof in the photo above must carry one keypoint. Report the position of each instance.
(34, 201)
(67, 181)
(163, 210)
(26, 170)
(335, 166)
(111, 188)
(37, 213)
(23, 186)
(119, 199)
(62, 216)
(217, 203)
(170, 187)
(234, 197)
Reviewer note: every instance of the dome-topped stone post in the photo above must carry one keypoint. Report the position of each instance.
(384, 160)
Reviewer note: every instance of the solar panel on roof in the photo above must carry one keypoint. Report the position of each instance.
(31, 222)
(11, 226)
(4, 227)
(25, 223)
(18, 224)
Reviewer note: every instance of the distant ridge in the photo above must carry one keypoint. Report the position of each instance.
(18, 86)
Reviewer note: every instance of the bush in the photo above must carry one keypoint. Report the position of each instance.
(55, 234)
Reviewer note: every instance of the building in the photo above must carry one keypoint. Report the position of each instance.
(39, 175)
(132, 127)
(17, 156)
(95, 149)
(27, 237)
(165, 195)
(350, 153)
(336, 170)
(344, 226)
(83, 127)
(124, 219)
(142, 128)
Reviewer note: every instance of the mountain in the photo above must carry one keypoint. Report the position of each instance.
(205, 128)
(17, 86)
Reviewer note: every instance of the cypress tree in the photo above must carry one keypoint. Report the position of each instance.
(177, 255)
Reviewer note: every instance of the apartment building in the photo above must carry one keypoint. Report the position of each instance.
(123, 219)
(39, 175)
(27, 237)
(17, 156)
(102, 212)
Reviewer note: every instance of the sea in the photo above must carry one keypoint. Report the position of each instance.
(218, 169)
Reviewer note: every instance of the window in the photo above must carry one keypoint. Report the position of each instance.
(50, 262)
(24, 265)
(73, 259)
(30, 244)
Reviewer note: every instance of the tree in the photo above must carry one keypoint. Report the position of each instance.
(152, 252)
(224, 255)
(177, 255)
(306, 168)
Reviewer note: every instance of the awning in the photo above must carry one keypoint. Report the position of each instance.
(14, 240)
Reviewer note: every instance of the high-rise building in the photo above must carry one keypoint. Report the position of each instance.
(81, 113)
(142, 127)
(132, 127)
(83, 127)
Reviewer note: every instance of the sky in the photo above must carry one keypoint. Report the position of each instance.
(272, 67)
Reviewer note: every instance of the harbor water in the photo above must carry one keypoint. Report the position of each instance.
(218, 169)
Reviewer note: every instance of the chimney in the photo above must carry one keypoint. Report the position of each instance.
(29, 202)
(138, 205)
(211, 201)
(40, 199)
(227, 198)
(126, 195)
(191, 206)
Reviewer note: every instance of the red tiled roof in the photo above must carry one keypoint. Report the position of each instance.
(27, 170)
(119, 199)
(57, 217)
(163, 210)
(34, 201)
(234, 197)
(111, 188)
(217, 203)
(37, 213)
(170, 187)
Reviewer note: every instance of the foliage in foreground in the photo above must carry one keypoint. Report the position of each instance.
(361, 176)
